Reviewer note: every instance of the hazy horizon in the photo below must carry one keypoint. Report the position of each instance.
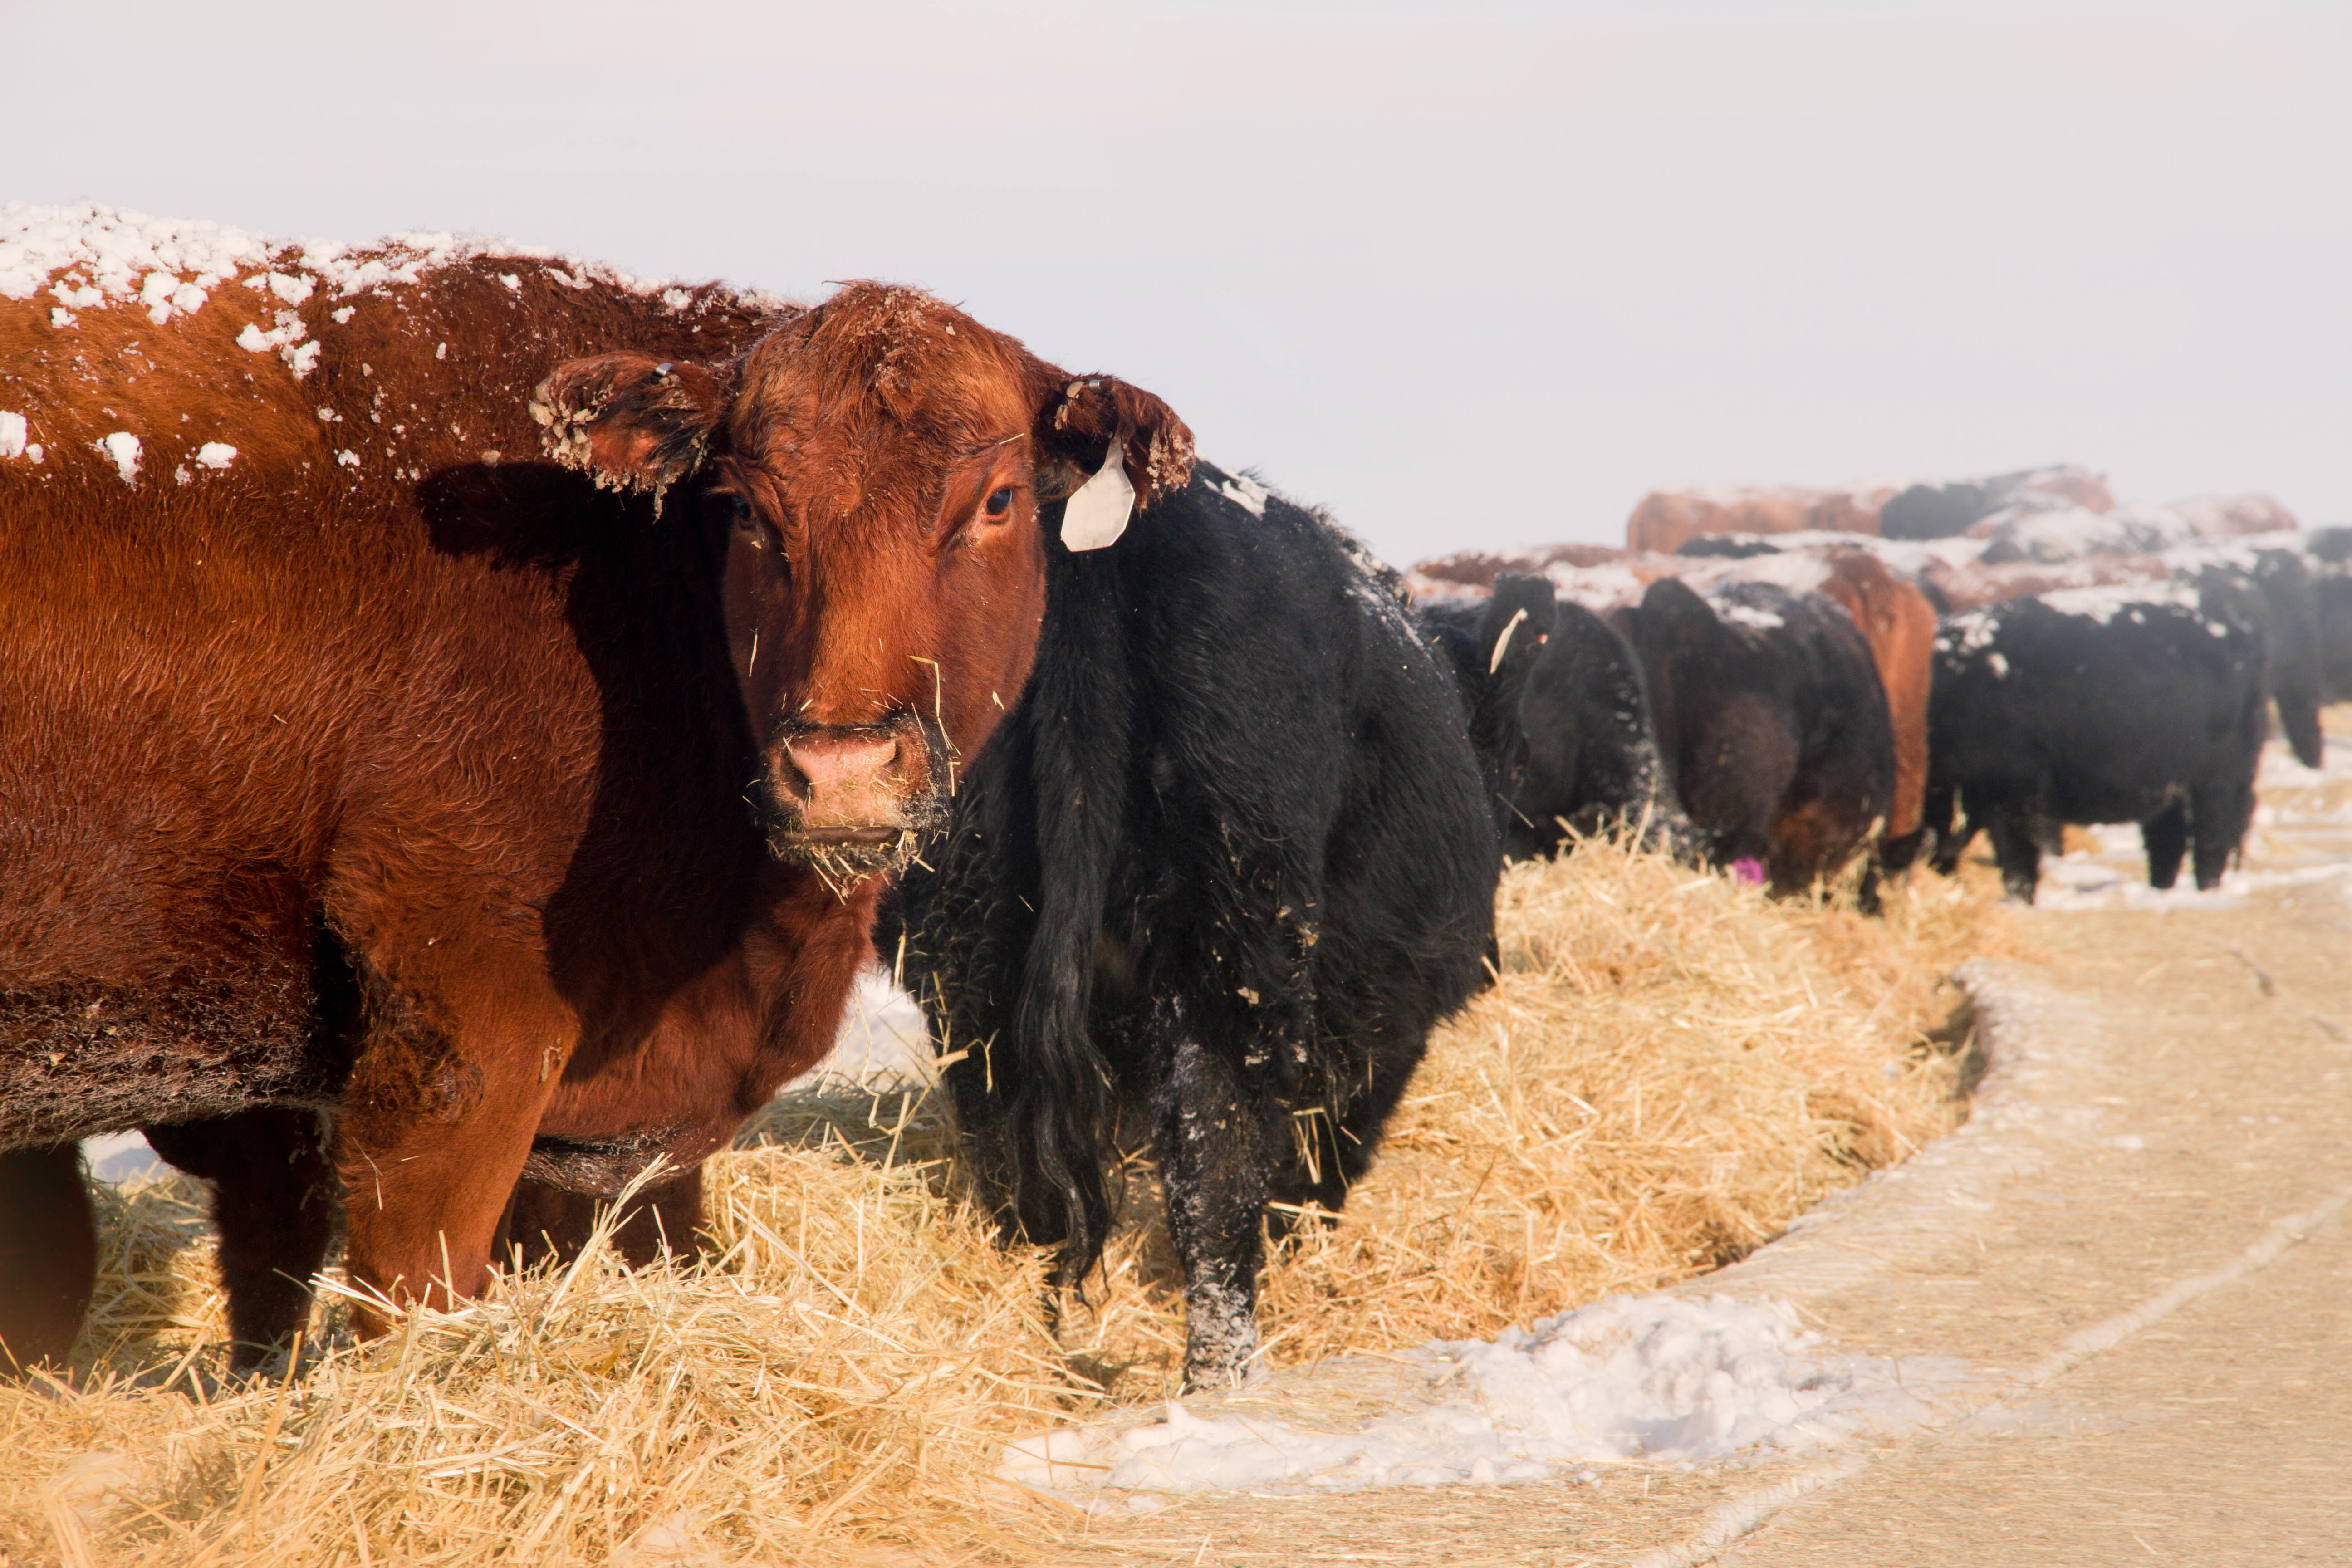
(1468, 278)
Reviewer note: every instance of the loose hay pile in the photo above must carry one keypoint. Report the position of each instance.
(1670, 1069)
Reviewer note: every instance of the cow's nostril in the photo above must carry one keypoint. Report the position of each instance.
(836, 765)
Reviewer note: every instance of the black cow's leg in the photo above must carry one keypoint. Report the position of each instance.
(2218, 818)
(1214, 1159)
(274, 1203)
(2166, 839)
(2018, 850)
(1897, 856)
(49, 1254)
(1952, 844)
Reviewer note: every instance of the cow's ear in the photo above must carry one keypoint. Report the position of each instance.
(1081, 421)
(629, 421)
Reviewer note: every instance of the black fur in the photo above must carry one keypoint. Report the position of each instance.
(2155, 716)
(2277, 586)
(1521, 609)
(1221, 871)
(2330, 554)
(1772, 721)
(1942, 510)
(1592, 755)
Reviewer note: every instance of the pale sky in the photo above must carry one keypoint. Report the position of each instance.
(1466, 275)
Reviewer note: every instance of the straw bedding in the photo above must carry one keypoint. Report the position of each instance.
(1669, 1068)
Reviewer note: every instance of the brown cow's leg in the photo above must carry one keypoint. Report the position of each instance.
(49, 1254)
(547, 1224)
(437, 1121)
(274, 1199)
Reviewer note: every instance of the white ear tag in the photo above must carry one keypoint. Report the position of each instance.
(1097, 514)
(1503, 643)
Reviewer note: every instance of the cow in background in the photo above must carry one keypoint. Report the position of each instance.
(2329, 552)
(1899, 626)
(1940, 510)
(1663, 519)
(1772, 722)
(1492, 645)
(2117, 704)
(2277, 584)
(1593, 761)
(1223, 868)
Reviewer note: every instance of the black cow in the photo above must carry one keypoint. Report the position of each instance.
(2120, 704)
(1225, 865)
(2329, 551)
(2277, 584)
(1492, 646)
(1592, 755)
(1772, 722)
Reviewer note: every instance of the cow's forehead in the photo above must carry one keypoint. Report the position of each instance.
(880, 374)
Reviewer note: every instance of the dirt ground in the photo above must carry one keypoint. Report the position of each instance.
(2137, 1243)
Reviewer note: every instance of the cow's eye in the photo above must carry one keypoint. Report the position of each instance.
(740, 513)
(999, 503)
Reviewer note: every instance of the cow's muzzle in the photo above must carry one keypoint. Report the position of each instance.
(852, 801)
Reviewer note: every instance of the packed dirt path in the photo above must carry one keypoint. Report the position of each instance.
(2136, 1255)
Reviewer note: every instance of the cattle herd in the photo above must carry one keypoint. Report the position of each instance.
(469, 716)
(2030, 654)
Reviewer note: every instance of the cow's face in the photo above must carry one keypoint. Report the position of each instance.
(873, 473)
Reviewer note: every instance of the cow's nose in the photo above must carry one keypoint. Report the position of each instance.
(849, 776)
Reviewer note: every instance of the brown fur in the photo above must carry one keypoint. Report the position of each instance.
(1975, 584)
(1663, 521)
(1899, 624)
(498, 747)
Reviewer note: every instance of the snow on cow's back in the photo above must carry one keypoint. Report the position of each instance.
(222, 358)
(1975, 632)
(2103, 604)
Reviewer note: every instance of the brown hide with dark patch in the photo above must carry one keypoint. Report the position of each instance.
(518, 757)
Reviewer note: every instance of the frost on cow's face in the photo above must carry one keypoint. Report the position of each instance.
(873, 472)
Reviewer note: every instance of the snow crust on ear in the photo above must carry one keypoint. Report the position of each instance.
(1079, 418)
(628, 421)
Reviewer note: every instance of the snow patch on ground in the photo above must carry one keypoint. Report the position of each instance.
(2079, 881)
(1628, 1378)
(883, 1042)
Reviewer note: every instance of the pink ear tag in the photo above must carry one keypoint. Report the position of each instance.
(1097, 514)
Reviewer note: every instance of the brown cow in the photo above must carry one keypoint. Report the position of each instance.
(356, 760)
(1663, 521)
(1899, 624)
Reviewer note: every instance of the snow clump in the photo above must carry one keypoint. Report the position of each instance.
(1627, 1378)
(124, 447)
